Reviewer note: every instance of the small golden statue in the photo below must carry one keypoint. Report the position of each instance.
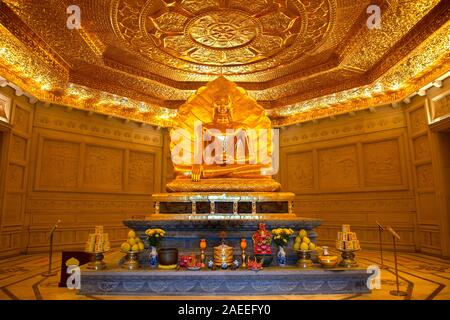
(222, 141)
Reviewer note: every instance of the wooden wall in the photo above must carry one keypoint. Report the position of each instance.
(82, 169)
(353, 170)
(388, 165)
(89, 170)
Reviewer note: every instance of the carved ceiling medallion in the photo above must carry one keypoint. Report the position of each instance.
(223, 29)
(251, 35)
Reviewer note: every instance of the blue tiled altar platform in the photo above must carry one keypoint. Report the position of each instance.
(269, 281)
(184, 233)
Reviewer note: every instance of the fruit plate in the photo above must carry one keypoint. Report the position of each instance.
(194, 268)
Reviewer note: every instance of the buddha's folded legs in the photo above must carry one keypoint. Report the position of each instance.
(235, 171)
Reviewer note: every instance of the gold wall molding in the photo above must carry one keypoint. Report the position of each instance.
(385, 118)
(370, 203)
(87, 205)
(82, 123)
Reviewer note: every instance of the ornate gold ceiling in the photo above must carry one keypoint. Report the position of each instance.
(301, 59)
(242, 36)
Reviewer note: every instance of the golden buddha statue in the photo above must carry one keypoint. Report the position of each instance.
(221, 141)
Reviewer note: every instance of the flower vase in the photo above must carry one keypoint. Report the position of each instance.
(153, 256)
(281, 256)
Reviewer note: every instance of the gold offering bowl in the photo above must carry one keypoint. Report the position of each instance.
(96, 260)
(328, 261)
(304, 260)
(131, 260)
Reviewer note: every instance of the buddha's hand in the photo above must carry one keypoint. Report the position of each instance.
(196, 172)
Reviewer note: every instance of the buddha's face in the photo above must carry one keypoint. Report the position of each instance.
(222, 105)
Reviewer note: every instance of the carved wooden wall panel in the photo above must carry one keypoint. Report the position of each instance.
(302, 168)
(22, 120)
(418, 121)
(141, 171)
(18, 149)
(103, 168)
(338, 168)
(382, 164)
(59, 165)
(14, 174)
(435, 178)
(428, 216)
(15, 177)
(421, 147)
(12, 214)
(424, 175)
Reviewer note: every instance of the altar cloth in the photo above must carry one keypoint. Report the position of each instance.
(269, 281)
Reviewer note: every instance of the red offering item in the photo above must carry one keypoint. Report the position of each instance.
(254, 265)
(194, 263)
(185, 260)
(262, 240)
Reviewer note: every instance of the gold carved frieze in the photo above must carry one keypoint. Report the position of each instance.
(349, 126)
(69, 204)
(369, 204)
(441, 107)
(98, 129)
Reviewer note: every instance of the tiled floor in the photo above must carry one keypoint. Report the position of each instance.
(422, 277)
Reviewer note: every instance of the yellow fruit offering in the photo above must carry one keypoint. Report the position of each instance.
(296, 246)
(141, 246)
(304, 246)
(131, 234)
(306, 240)
(125, 247)
(132, 241)
(303, 233)
(135, 248)
(312, 246)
